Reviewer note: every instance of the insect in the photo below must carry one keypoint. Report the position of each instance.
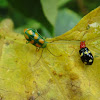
(33, 37)
(86, 55)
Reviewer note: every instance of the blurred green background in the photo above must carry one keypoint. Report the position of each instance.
(50, 17)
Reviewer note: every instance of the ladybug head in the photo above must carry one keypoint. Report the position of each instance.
(82, 44)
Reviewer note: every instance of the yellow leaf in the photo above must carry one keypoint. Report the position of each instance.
(57, 77)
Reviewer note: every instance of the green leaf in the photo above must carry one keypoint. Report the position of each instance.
(66, 20)
(30, 23)
(50, 8)
(62, 2)
(31, 9)
(46, 33)
(3, 3)
(52, 78)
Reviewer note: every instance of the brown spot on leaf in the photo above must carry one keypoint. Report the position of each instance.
(60, 75)
(54, 73)
(74, 76)
(31, 98)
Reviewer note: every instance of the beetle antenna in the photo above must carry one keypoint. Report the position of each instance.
(39, 58)
(52, 53)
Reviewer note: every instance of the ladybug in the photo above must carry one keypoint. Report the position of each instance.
(86, 55)
(34, 38)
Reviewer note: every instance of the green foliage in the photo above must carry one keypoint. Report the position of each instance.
(50, 8)
(3, 3)
(60, 77)
(32, 9)
(62, 2)
(49, 17)
(66, 20)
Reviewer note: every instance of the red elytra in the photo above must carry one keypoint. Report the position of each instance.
(82, 44)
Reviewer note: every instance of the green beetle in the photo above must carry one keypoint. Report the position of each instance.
(34, 38)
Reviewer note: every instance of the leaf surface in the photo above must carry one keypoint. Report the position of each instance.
(53, 78)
